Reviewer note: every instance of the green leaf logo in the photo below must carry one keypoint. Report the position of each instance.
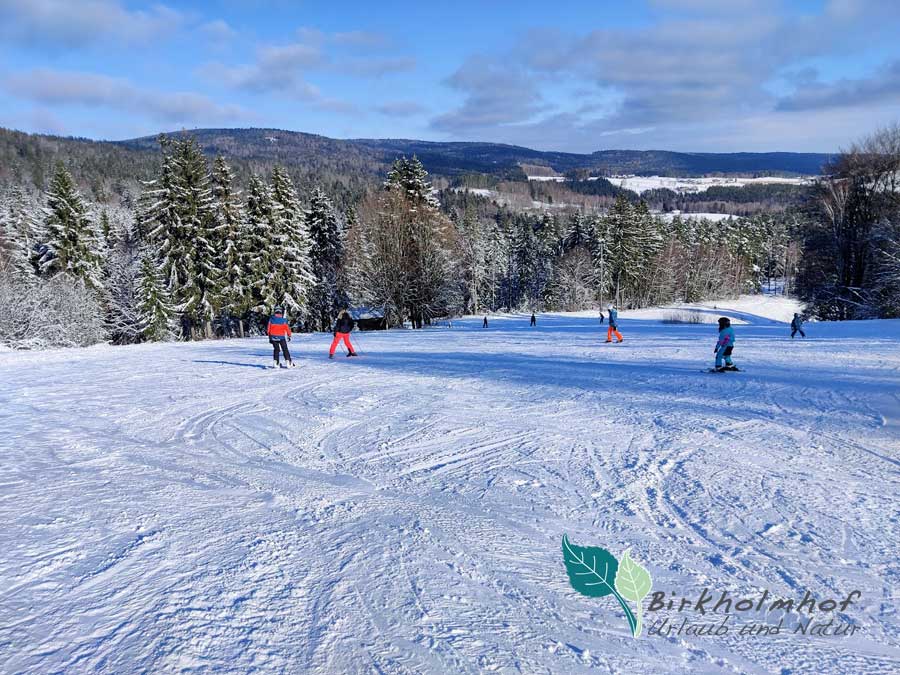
(633, 583)
(595, 572)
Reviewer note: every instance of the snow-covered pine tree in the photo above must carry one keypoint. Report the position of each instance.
(70, 243)
(292, 278)
(409, 176)
(577, 232)
(473, 249)
(18, 235)
(233, 249)
(600, 254)
(533, 262)
(179, 216)
(326, 254)
(122, 266)
(632, 242)
(358, 262)
(261, 248)
(155, 314)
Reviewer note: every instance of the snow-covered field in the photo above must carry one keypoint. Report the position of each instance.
(670, 216)
(181, 508)
(641, 184)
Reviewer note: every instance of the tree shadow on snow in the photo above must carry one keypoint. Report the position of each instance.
(234, 363)
(676, 386)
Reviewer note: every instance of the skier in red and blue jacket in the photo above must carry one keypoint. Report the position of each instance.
(279, 333)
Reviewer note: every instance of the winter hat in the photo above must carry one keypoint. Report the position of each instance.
(609, 306)
(278, 310)
(724, 322)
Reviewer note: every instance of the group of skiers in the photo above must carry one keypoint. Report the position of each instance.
(279, 333)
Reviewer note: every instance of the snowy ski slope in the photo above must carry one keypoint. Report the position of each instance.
(180, 508)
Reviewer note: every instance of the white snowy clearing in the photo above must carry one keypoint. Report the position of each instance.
(181, 508)
(641, 184)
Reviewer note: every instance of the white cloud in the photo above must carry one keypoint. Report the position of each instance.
(68, 23)
(880, 87)
(401, 108)
(219, 31)
(689, 70)
(61, 88)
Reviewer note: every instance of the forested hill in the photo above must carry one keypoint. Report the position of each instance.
(449, 159)
(454, 158)
(29, 158)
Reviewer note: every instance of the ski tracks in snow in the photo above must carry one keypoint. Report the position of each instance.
(402, 513)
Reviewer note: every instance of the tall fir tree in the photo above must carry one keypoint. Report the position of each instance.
(155, 314)
(292, 268)
(261, 248)
(232, 245)
(18, 235)
(121, 270)
(70, 245)
(326, 253)
(179, 217)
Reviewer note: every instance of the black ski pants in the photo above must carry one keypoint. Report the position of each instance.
(280, 343)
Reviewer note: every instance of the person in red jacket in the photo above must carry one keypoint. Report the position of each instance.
(279, 333)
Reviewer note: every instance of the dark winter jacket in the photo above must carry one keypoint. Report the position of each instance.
(344, 324)
(797, 323)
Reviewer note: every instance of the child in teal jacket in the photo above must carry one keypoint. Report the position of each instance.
(725, 345)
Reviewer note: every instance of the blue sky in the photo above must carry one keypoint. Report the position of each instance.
(701, 75)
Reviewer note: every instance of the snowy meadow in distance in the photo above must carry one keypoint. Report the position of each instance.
(179, 507)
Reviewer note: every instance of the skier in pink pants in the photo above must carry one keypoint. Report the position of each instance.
(342, 328)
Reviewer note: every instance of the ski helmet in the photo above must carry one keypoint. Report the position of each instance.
(278, 310)
(724, 322)
(609, 306)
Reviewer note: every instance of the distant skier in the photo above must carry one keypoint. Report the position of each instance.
(533, 319)
(342, 328)
(279, 333)
(601, 317)
(613, 325)
(484, 325)
(797, 326)
(724, 346)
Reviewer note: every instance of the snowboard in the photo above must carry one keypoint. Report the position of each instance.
(727, 370)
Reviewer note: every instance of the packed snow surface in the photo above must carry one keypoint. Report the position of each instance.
(182, 508)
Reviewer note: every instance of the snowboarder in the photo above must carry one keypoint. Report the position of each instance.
(724, 346)
(533, 320)
(613, 325)
(342, 328)
(797, 326)
(279, 333)
(484, 325)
